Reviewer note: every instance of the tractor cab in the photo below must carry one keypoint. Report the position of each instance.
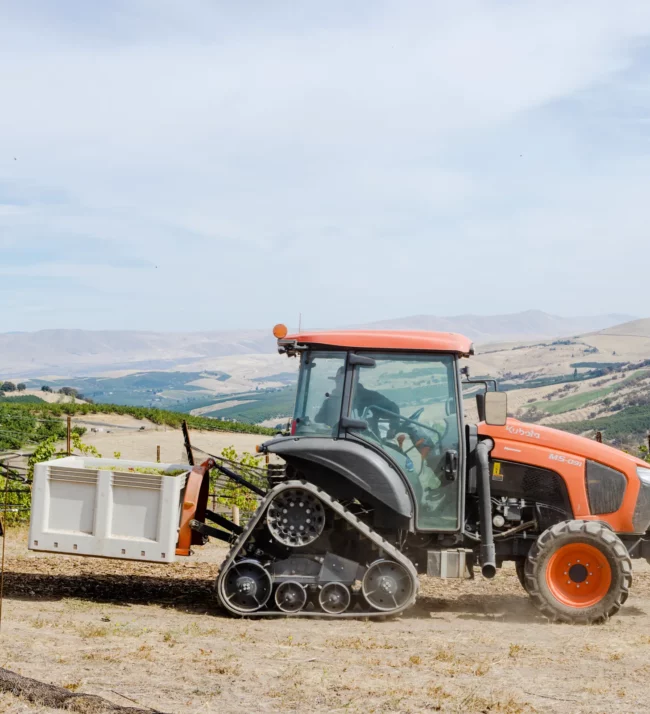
(392, 402)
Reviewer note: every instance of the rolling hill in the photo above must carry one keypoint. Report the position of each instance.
(531, 324)
(82, 352)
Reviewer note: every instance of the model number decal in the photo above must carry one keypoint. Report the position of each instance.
(565, 460)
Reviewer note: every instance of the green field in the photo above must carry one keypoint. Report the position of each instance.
(140, 389)
(261, 406)
(577, 401)
(631, 424)
(25, 416)
(506, 386)
(22, 399)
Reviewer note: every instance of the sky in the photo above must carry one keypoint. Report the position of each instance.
(217, 165)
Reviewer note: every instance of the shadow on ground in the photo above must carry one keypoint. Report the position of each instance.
(185, 593)
(197, 594)
(505, 608)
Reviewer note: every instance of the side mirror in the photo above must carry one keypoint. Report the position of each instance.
(496, 408)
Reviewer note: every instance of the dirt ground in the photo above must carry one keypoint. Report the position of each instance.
(151, 634)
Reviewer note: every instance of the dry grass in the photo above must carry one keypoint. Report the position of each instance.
(152, 634)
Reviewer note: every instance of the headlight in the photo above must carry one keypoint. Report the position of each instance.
(643, 474)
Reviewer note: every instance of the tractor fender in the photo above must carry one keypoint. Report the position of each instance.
(359, 465)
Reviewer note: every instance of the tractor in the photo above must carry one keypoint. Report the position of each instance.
(384, 479)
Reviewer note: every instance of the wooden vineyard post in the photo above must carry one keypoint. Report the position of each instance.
(4, 541)
(235, 515)
(68, 435)
(158, 454)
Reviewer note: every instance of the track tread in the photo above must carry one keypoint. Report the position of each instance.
(594, 531)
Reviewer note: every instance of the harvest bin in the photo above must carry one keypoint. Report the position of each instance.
(80, 506)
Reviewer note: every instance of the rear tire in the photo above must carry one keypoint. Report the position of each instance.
(578, 572)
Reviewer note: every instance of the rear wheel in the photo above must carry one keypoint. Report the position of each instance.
(578, 571)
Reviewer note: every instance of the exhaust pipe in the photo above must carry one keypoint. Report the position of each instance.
(488, 555)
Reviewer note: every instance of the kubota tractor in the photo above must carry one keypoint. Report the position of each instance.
(384, 479)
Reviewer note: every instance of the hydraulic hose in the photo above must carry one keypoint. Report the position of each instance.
(488, 555)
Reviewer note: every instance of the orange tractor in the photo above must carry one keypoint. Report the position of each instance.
(385, 479)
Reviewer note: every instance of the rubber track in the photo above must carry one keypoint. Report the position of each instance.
(603, 532)
(368, 532)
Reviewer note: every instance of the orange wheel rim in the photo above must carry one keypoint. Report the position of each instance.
(578, 575)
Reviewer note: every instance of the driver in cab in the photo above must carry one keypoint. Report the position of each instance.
(362, 399)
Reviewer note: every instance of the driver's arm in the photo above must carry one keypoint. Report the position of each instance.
(393, 421)
(324, 415)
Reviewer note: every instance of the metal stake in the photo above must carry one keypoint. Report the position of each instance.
(188, 445)
(4, 542)
(68, 435)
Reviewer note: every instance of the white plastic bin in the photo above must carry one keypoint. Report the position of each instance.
(80, 508)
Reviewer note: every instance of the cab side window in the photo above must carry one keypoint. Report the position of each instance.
(409, 406)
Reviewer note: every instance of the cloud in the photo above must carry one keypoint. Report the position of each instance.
(374, 160)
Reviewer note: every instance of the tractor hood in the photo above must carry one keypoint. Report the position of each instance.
(557, 440)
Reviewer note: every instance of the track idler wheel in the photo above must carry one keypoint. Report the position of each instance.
(334, 598)
(290, 596)
(387, 585)
(295, 517)
(247, 586)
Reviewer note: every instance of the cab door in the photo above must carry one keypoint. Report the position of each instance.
(406, 405)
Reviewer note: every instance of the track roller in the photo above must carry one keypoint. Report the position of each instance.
(334, 598)
(290, 596)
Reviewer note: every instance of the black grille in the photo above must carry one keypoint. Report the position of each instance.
(605, 488)
(545, 487)
(641, 518)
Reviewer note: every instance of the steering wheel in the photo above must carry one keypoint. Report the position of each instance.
(414, 417)
(408, 420)
(365, 417)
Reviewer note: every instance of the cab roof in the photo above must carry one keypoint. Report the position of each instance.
(405, 340)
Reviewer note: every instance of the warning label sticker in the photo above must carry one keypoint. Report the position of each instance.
(496, 471)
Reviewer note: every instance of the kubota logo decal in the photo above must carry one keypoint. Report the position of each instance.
(520, 431)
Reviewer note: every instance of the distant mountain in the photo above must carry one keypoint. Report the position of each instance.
(78, 352)
(531, 324)
(84, 352)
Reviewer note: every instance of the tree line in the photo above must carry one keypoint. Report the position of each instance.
(7, 386)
